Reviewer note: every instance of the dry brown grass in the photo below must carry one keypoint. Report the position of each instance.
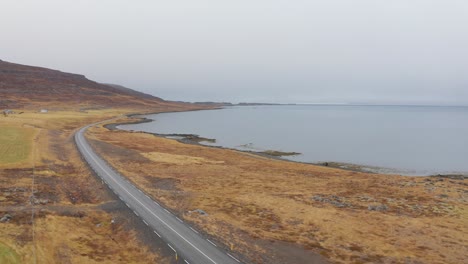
(83, 238)
(251, 200)
(62, 184)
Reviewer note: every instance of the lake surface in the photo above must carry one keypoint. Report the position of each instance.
(410, 140)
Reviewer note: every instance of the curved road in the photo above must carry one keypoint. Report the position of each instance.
(186, 242)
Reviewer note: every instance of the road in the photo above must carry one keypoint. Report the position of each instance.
(188, 245)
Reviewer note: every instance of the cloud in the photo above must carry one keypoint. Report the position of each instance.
(329, 50)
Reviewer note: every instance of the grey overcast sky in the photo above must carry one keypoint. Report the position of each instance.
(304, 51)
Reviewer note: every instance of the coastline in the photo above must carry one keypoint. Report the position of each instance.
(140, 118)
(247, 199)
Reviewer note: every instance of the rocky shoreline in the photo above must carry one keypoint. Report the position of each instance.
(273, 154)
(196, 139)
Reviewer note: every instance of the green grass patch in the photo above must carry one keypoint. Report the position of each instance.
(8, 255)
(15, 144)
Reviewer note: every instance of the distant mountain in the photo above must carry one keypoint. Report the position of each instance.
(23, 86)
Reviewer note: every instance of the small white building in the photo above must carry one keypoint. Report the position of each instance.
(44, 111)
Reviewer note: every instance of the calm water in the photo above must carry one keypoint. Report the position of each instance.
(406, 139)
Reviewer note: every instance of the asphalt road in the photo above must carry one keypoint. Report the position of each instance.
(186, 242)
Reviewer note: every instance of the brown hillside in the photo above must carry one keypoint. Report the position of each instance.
(24, 86)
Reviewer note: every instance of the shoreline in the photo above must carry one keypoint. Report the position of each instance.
(196, 140)
(280, 201)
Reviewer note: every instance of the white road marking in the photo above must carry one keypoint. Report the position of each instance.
(172, 248)
(136, 213)
(166, 210)
(138, 201)
(233, 257)
(211, 242)
(179, 219)
(194, 230)
(156, 203)
(186, 261)
(146, 223)
(127, 205)
(157, 233)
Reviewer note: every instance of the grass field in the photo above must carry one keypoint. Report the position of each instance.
(73, 200)
(7, 255)
(15, 144)
(72, 223)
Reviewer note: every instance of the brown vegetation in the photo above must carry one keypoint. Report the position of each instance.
(266, 209)
(50, 203)
(52, 209)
